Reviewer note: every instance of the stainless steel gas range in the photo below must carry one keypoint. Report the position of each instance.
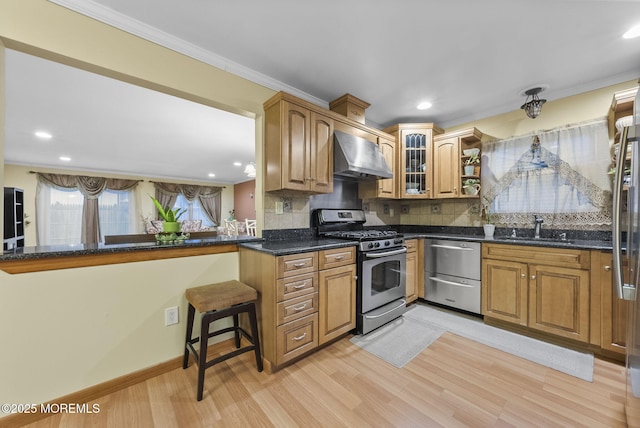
(381, 255)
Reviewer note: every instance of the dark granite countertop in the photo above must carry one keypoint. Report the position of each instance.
(39, 252)
(545, 242)
(286, 247)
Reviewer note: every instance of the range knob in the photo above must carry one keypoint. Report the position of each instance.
(377, 244)
(387, 243)
(370, 245)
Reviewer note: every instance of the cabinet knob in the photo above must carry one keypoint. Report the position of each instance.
(607, 268)
(522, 275)
(533, 277)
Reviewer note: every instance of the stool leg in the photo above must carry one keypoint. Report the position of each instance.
(190, 316)
(236, 330)
(254, 332)
(202, 363)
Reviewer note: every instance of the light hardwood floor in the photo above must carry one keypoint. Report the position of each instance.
(455, 382)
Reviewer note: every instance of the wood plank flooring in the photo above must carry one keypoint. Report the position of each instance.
(455, 382)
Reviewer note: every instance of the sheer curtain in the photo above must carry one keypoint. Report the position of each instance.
(208, 196)
(91, 188)
(565, 181)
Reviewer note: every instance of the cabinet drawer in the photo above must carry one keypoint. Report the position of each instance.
(296, 286)
(296, 264)
(296, 338)
(412, 245)
(337, 257)
(564, 257)
(299, 307)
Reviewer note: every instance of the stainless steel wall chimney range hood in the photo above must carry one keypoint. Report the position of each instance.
(358, 158)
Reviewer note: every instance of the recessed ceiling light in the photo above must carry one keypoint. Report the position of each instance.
(424, 105)
(65, 158)
(43, 134)
(632, 33)
(211, 174)
(237, 164)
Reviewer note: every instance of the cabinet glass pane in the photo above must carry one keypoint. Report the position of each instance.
(415, 163)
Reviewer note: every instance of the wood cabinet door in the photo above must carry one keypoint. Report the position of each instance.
(387, 186)
(614, 310)
(504, 290)
(321, 152)
(337, 302)
(412, 276)
(415, 180)
(559, 301)
(296, 147)
(446, 168)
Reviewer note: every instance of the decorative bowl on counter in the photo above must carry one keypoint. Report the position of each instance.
(171, 238)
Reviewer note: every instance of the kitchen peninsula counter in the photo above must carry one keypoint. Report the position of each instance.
(287, 247)
(43, 258)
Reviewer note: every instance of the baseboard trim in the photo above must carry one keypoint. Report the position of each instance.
(92, 393)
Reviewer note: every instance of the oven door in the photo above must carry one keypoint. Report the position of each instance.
(383, 277)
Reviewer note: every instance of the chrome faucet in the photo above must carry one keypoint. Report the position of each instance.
(537, 226)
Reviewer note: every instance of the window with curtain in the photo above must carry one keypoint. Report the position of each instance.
(560, 175)
(62, 209)
(193, 210)
(66, 204)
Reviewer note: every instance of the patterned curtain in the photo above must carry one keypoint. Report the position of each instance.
(563, 179)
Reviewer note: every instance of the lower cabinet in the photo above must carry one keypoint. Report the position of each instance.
(415, 269)
(613, 310)
(304, 300)
(546, 289)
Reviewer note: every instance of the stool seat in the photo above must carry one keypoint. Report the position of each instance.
(214, 302)
(213, 297)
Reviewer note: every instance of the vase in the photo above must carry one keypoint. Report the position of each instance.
(171, 226)
(488, 230)
(469, 169)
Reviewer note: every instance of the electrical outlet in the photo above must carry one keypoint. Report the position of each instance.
(279, 207)
(435, 209)
(171, 316)
(404, 209)
(287, 205)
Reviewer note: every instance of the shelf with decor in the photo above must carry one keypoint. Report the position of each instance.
(453, 154)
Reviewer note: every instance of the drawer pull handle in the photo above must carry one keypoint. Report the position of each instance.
(299, 265)
(299, 308)
(300, 337)
(302, 285)
(338, 257)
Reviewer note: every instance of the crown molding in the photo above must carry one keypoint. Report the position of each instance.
(125, 23)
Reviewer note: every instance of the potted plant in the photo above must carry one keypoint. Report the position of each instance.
(170, 216)
(470, 164)
(489, 227)
(471, 186)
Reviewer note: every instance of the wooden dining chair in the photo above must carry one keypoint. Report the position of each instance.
(251, 227)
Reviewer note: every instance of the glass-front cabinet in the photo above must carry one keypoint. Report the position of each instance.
(415, 159)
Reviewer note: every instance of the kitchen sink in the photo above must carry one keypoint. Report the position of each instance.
(529, 239)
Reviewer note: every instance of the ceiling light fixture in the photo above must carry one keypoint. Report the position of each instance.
(43, 135)
(533, 104)
(250, 169)
(65, 158)
(632, 33)
(211, 174)
(424, 105)
(237, 164)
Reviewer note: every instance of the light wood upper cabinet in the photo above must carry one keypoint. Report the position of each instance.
(298, 149)
(382, 187)
(414, 159)
(449, 160)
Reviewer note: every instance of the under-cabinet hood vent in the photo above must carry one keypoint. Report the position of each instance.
(358, 158)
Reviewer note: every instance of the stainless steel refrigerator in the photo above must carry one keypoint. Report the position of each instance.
(626, 209)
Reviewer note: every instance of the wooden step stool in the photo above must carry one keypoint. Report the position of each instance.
(214, 302)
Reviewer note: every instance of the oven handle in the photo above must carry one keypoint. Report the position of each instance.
(385, 254)
(451, 247)
(433, 278)
(403, 303)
